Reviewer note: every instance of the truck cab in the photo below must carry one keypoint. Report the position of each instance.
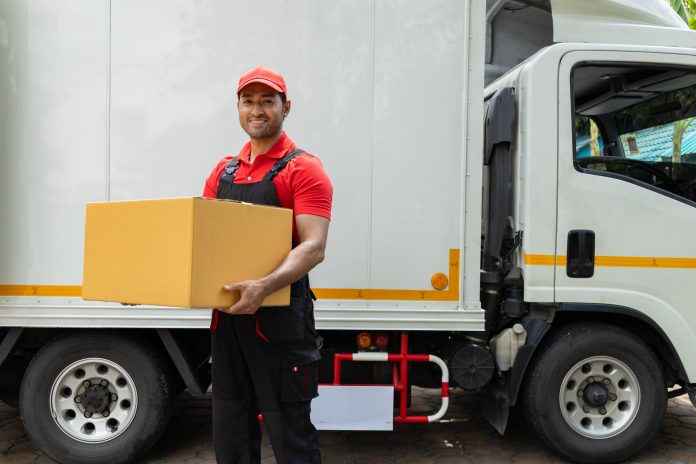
(601, 194)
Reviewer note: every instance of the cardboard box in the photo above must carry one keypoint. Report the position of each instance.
(181, 251)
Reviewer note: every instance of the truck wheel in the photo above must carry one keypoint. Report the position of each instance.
(95, 397)
(595, 394)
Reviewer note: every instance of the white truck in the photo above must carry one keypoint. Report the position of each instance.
(530, 240)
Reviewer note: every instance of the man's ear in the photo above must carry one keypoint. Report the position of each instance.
(286, 108)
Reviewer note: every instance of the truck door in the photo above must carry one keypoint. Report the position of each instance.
(627, 189)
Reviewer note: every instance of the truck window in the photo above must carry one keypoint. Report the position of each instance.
(637, 124)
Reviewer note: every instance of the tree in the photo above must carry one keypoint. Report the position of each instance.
(686, 9)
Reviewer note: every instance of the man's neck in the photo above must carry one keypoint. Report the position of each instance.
(259, 146)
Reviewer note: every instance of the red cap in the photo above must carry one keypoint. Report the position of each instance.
(264, 76)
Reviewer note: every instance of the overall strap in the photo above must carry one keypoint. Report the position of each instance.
(281, 163)
(231, 170)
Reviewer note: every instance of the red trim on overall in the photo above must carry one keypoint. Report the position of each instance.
(214, 320)
(258, 330)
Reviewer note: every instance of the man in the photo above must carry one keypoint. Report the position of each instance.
(266, 359)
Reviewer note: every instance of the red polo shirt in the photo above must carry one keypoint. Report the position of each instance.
(302, 185)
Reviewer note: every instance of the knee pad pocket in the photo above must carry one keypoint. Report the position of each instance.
(300, 375)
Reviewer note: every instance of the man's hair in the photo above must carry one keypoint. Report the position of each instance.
(283, 97)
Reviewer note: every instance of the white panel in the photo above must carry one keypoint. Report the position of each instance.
(419, 51)
(536, 163)
(53, 120)
(175, 67)
(353, 408)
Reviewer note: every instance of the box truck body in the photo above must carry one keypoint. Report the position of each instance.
(530, 240)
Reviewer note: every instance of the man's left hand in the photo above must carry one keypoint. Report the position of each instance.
(251, 295)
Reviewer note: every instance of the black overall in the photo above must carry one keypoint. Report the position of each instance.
(267, 362)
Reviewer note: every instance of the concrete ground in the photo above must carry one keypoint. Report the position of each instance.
(188, 438)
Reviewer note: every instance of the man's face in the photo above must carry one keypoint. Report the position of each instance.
(261, 111)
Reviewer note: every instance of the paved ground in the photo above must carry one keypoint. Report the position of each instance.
(188, 439)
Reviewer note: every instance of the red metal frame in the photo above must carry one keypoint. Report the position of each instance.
(399, 378)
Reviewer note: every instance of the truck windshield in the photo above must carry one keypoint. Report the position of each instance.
(660, 129)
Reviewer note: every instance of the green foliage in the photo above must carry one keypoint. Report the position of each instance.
(686, 9)
(680, 8)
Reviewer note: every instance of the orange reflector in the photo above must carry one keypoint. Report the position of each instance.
(364, 340)
(439, 281)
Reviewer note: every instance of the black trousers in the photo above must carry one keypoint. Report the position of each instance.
(252, 376)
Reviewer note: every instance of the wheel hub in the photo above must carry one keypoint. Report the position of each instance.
(96, 397)
(595, 394)
(599, 397)
(93, 400)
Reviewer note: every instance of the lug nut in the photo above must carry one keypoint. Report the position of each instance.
(590, 379)
(104, 383)
(602, 411)
(86, 384)
(607, 382)
(106, 413)
(78, 399)
(580, 393)
(114, 397)
(585, 409)
(612, 396)
(88, 414)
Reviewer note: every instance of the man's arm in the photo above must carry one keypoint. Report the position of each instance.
(312, 231)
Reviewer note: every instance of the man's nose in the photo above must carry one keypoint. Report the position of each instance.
(257, 108)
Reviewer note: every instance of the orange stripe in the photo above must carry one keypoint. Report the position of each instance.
(617, 261)
(451, 294)
(539, 260)
(40, 290)
(646, 261)
(382, 294)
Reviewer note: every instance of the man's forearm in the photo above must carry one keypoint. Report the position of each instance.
(299, 262)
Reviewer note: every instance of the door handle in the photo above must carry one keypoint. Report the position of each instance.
(581, 254)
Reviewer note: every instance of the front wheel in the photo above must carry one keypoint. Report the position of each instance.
(595, 394)
(95, 397)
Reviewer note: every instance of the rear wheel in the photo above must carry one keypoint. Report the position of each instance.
(595, 394)
(95, 397)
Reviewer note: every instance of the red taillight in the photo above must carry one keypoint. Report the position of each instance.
(381, 341)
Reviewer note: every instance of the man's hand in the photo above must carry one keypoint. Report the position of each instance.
(251, 295)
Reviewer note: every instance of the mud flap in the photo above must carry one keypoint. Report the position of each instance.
(496, 410)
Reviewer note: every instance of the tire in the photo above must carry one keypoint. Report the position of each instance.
(95, 397)
(579, 368)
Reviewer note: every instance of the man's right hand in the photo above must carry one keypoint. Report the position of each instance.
(251, 296)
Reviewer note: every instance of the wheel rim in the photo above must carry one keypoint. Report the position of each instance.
(599, 397)
(93, 400)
